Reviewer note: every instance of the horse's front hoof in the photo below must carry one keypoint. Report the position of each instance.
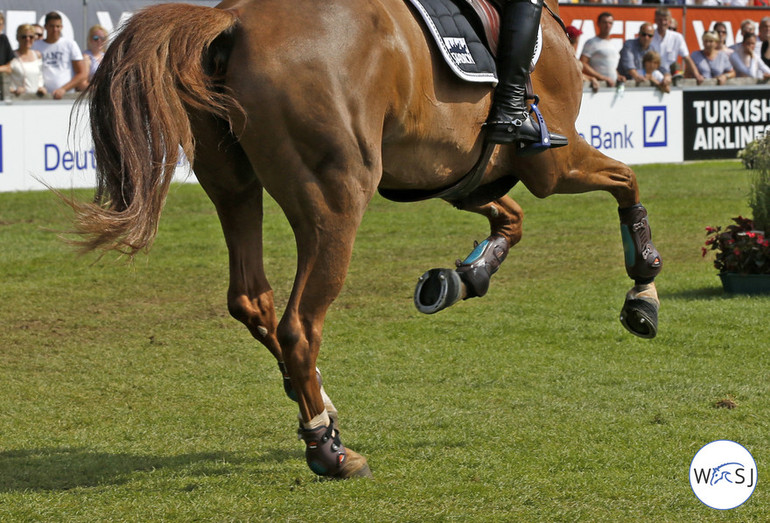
(640, 317)
(355, 466)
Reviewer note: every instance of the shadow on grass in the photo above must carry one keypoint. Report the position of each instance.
(704, 293)
(68, 468)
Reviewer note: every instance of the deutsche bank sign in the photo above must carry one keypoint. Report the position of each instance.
(655, 125)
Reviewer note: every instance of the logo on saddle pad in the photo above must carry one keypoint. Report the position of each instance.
(458, 50)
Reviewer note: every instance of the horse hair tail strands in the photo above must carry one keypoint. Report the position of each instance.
(167, 60)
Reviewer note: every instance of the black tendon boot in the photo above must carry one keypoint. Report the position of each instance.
(509, 120)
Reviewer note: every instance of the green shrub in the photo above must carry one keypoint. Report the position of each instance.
(759, 193)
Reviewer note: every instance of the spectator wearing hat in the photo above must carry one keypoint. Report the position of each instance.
(573, 34)
(631, 63)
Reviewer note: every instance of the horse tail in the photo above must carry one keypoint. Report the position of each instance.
(167, 60)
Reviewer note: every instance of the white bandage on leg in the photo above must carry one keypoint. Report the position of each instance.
(322, 420)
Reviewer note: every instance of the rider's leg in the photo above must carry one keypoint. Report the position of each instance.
(509, 119)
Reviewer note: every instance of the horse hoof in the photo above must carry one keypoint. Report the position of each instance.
(640, 317)
(355, 466)
(437, 289)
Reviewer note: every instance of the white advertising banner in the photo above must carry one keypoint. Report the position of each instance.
(635, 126)
(41, 144)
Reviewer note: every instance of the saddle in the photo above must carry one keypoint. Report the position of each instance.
(466, 33)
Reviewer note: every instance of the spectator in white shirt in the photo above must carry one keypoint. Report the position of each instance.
(670, 45)
(601, 55)
(63, 66)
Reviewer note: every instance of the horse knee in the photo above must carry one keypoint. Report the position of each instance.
(626, 188)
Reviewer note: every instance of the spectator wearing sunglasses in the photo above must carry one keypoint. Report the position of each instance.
(6, 51)
(39, 31)
(97, 43)
(721, 30)
(631, 63)
(63, 65)
(27, 64)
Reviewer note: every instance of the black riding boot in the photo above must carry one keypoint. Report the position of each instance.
(509, 120)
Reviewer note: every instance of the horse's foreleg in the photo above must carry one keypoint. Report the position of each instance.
(438, 289)
(582, 168)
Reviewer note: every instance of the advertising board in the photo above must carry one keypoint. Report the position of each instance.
(634, 126)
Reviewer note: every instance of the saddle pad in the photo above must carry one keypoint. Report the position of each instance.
(459, 44)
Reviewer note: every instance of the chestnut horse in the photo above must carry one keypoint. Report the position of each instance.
(321, 104)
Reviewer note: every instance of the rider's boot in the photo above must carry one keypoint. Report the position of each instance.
(509, 120)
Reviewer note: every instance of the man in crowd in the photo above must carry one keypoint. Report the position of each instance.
(747, 28)
(6, 51)
(600, 54)
(631, 65)
(671, 46)
(63, 65)
(764, 37)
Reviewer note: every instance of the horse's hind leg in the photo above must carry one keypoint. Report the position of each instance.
(581, 168)
(228, 178)
(438, 289)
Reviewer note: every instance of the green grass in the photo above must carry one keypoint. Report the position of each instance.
(129, 394)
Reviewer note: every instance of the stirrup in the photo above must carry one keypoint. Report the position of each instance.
(547, 139)
(527, 145)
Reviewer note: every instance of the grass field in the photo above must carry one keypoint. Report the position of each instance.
(129, 394)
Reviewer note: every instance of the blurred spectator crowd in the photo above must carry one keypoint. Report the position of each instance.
(659, 56)
(45, 63)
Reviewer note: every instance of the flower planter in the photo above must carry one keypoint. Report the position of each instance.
(734, 283)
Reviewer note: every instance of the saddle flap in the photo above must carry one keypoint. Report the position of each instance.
(460, 45)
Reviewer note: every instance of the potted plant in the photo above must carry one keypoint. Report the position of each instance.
(742, 248)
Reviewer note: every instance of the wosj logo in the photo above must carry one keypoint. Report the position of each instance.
(723, 474)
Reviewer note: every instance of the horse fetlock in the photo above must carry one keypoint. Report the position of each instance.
(642, 259)
(438, 289)
(288, 388)
(477, 269)
(327, 456)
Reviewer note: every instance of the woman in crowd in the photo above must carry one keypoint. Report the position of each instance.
(721, 30)
(746, 62)
(27, 64)
(97, 43)
(710, 62)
